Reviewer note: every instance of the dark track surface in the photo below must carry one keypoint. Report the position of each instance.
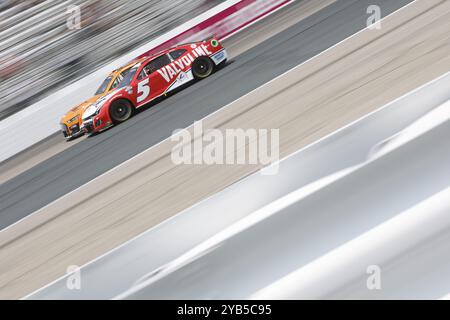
(90, 158)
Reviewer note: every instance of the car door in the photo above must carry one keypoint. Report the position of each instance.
(150, 83)
(182, 65)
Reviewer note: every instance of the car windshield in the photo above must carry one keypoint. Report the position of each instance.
(128, 76)
(104, 85)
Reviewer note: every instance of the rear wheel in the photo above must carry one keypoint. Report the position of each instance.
(120, 111)
(202, 67)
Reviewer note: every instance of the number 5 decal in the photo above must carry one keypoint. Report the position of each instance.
(143, 90)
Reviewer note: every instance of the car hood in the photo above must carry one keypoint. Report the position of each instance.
(79, 109)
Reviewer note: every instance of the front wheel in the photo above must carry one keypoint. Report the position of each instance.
(202, 67)
(120, 111)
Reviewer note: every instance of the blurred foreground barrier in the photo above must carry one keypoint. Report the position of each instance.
(39, 121)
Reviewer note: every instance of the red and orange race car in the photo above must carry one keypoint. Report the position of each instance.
(152, 78)
(71, 122)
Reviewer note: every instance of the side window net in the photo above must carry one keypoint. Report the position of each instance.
(177, 53)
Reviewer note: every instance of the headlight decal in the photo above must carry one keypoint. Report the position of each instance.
(90, 111)
(73, 119)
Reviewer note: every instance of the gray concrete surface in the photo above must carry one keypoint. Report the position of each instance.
(116, 272)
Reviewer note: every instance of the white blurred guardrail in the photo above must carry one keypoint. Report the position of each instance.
(412, 245)
(330, 158)
(37, 122)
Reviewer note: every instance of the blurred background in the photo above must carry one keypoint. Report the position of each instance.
(44, 46)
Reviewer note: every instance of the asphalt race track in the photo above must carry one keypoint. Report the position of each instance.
(88, 159)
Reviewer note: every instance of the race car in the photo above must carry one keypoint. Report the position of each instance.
(71, 122)
(154, 78)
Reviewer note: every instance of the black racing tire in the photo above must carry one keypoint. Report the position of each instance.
(120, 111)
(202, 67)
